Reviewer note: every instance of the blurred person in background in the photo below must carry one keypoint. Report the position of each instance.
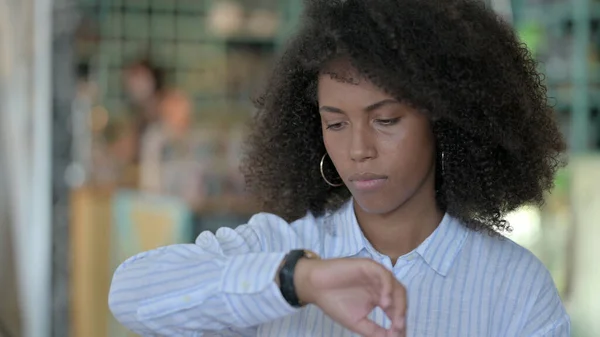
(173, 154)
(143, 83)
(114, 150)
(180, 159)
(392, 139)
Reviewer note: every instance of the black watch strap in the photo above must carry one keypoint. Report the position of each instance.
(286, 277)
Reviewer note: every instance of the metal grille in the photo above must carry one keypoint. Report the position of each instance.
(66, 17)
(218, 72)
(565, 39)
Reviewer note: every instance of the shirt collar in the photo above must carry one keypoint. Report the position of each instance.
(442, 247)
(344, 238)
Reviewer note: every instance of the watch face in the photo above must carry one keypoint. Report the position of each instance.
(310, 255)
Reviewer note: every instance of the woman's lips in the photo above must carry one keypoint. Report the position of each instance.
(367, 181)
(369, 185)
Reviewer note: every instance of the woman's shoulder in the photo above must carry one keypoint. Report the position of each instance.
(519, 280)
(501, 250)
(503, 258)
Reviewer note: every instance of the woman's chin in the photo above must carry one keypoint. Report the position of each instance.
(374, 205)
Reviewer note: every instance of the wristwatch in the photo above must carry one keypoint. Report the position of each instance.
(286, 275)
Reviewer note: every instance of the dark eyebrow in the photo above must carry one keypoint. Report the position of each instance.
(326, 108)
(369, 108)
(380, 104)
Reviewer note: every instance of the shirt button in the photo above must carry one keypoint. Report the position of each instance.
(245, 285)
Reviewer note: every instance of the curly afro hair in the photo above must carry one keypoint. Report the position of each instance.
(456, 61)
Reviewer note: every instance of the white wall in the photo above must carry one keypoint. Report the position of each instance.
(9, 308)
(25, 110)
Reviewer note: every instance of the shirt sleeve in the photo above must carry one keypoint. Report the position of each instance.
(548, 317)
(223, 282)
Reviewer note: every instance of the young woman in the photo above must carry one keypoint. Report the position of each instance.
(390, 142)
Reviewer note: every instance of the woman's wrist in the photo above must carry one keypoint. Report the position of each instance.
(302, 280)
(293, 277)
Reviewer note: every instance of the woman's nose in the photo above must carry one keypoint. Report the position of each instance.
(361, 145)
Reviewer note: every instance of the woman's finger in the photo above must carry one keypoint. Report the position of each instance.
(396, 312)
(368, 328)
(387, 281)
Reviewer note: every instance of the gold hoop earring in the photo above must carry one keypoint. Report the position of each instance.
(323, 174)
(443, 163)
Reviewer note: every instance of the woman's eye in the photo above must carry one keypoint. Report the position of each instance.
(387, 122)
(335, 126)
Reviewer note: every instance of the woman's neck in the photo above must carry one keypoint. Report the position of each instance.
(401, 231)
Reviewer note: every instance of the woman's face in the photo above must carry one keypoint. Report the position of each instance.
(176, 110)
(139, 84)
(383, 149)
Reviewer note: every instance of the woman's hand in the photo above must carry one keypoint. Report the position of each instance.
(347, 290)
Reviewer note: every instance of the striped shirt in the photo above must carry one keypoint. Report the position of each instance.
(459, 283)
